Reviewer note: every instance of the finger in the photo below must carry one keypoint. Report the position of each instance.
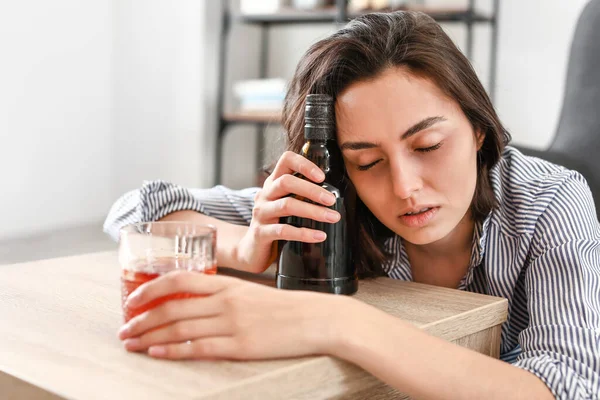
(178, 332)
(291, 163)
(178, 282)
(169, 312)
(222, 347)
(289, 233)
(289, 206)
(288, 184)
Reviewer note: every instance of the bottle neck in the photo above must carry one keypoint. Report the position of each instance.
(317, 152)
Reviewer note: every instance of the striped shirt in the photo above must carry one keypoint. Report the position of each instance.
(540, 249)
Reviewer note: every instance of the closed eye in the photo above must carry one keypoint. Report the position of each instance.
(420, 150)
(428, 149)
(368, 166)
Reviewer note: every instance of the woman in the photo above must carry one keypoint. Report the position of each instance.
(441, 201)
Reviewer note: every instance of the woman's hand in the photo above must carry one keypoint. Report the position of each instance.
(257, 249)
(233, 319)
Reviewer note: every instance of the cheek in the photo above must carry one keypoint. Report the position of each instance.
(456, 176)
(369, 188)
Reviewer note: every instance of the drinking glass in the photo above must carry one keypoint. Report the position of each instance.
(148, 250)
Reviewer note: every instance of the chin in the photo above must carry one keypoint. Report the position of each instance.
(422, 236)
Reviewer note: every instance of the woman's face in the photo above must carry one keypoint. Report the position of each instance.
(410, 152)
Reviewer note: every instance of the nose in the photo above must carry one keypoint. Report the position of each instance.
(406, 180)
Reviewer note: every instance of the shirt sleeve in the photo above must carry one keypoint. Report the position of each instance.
(561, 344)
(155, 199)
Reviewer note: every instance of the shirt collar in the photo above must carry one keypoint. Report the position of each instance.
(480, 235)
(479, 241)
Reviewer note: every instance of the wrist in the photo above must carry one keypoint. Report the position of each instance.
(332, 323)
(362, 329)
(229, 250)
(350, 332)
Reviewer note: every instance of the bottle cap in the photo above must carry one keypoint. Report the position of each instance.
(319, 123)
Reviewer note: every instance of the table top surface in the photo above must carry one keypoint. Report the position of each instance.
(60, 318)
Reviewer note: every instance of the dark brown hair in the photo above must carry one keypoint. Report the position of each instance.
(367, 46)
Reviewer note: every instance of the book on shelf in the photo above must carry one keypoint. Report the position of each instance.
(260, 94)
(261, 6)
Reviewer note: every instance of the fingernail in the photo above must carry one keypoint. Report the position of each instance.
(317, 174)
(133, 299)
(124, 331)
(157, 351)
(133, 343)
(327, 198)
(332, 216)
(319, 235)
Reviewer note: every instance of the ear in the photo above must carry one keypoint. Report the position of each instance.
(479, 137)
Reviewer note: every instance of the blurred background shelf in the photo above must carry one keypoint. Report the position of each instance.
(337, 15)
(251, 117)
(332, 14)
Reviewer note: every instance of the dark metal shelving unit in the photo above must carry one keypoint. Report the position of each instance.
(331, 15)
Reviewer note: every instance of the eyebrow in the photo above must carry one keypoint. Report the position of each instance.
(416, 128)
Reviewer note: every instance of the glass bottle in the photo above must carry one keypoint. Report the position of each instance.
(326, 266)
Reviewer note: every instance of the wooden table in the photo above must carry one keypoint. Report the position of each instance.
(59, 318)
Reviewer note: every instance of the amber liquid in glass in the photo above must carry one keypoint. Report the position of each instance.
(132, 279)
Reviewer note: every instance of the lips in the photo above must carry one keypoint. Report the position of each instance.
(418, 217)
(422, 210)
(417, 209)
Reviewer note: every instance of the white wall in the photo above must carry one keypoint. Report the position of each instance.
(535, 36)
(160, 93)
(97, 96)
(55, 84)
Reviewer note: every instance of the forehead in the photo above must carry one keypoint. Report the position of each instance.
(394, 99)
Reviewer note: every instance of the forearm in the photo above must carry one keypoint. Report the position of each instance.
(229, 235)
(427, 367)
